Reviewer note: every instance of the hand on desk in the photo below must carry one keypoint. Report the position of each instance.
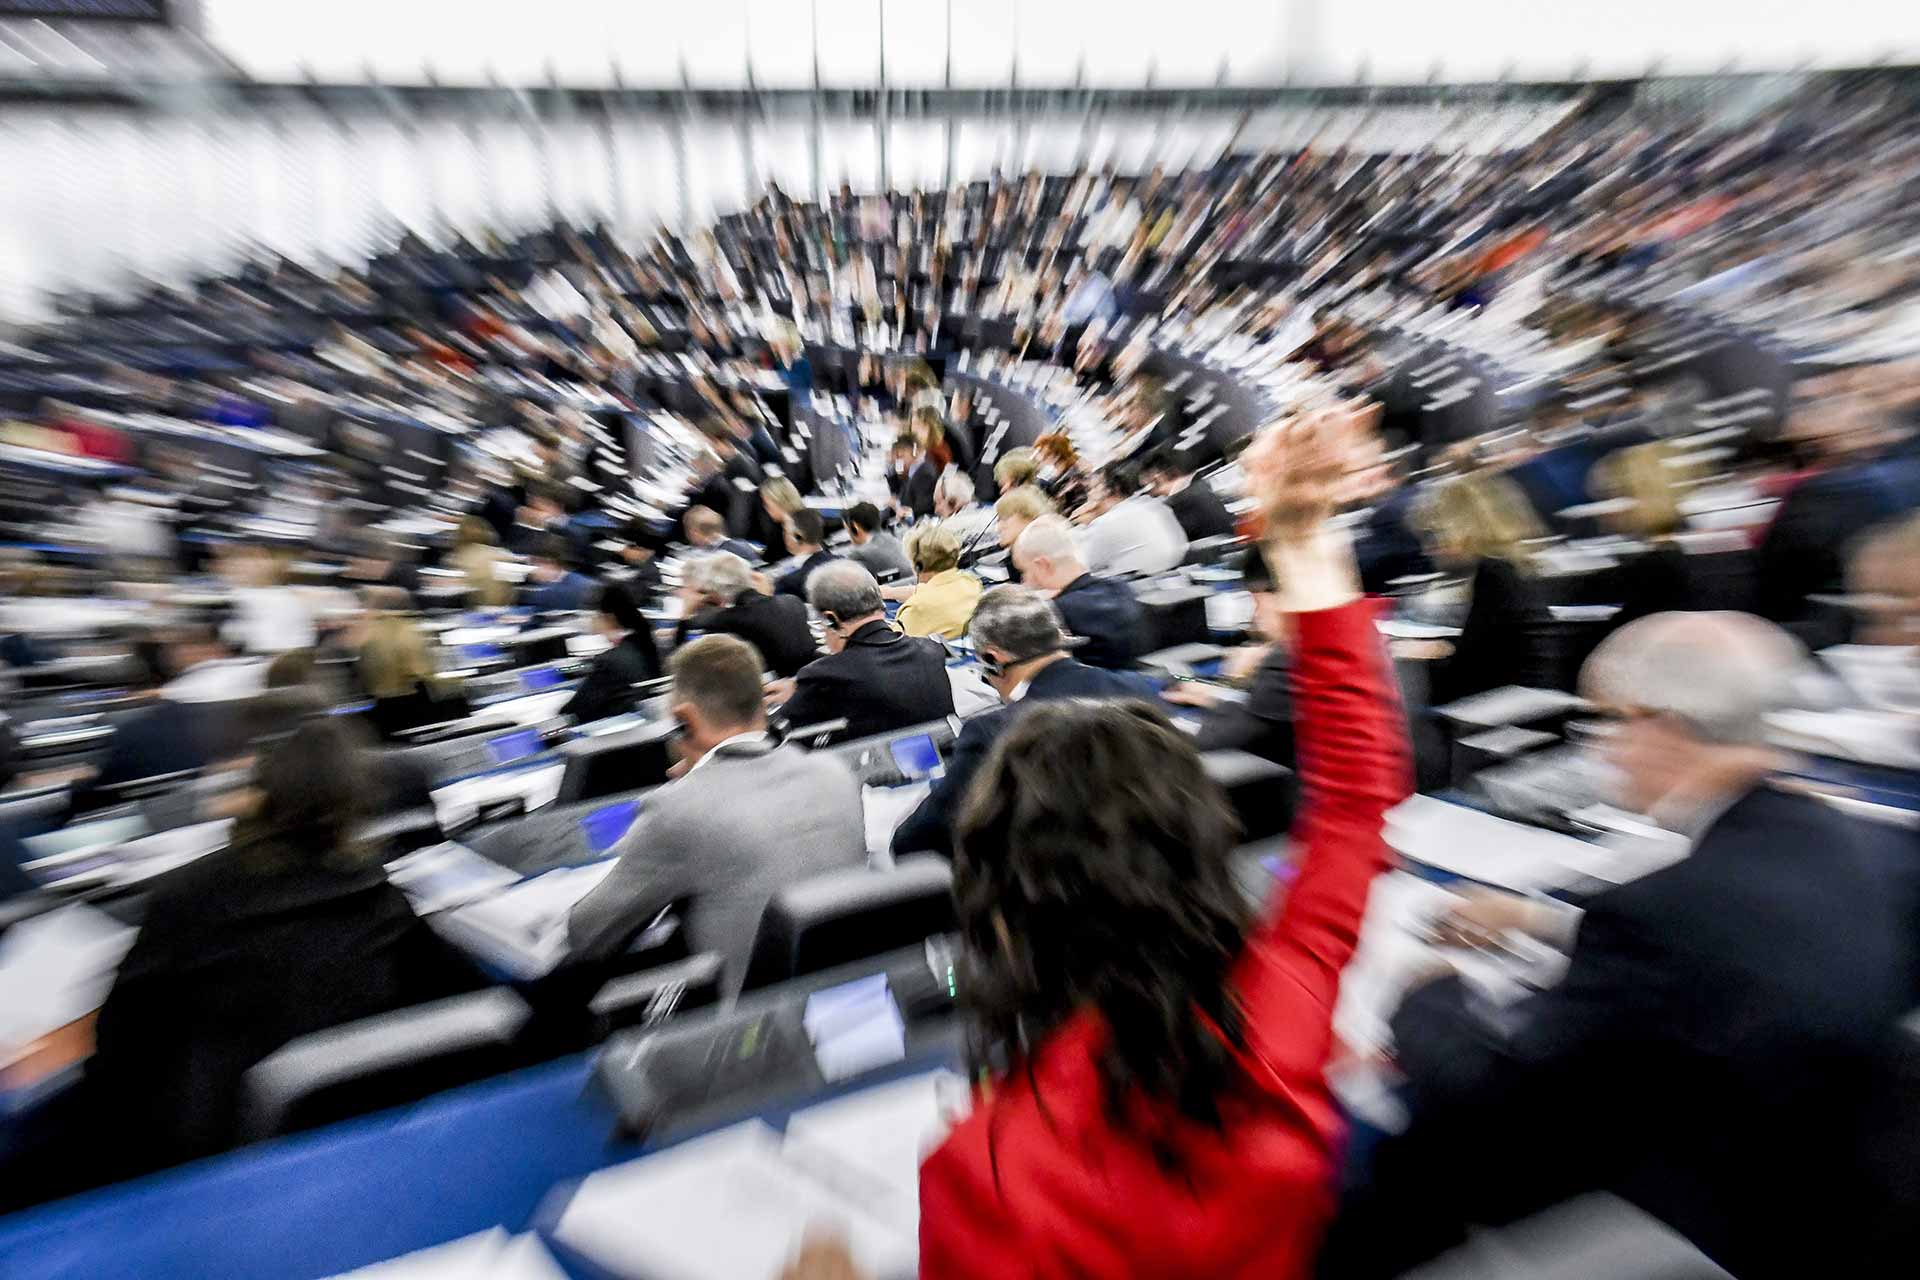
(1240, 663)
(1189, 694)
(823, 1258)
(898, 591)
(1485, 914)
(778, 692)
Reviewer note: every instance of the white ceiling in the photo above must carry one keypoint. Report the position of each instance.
(1117, 41)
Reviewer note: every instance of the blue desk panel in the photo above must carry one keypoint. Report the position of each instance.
(357, 1193)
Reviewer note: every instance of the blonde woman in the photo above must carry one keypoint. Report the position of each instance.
(1015, 468)
(1655, 578)
(396, 668)
(1479, 527)
(943, 603)
(477, 555)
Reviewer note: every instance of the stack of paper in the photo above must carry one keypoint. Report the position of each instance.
(447, 875)
(885, 809)
(871, 1144)
(721, 1207)
(523, 931)
(535, 786)
(489, 1255)
(1479, 846)
(55, 969)
(855, 1027)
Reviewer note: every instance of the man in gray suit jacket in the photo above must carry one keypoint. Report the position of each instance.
(745, 819)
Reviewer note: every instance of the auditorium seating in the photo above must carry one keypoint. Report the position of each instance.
(382, 1061)
(846, 916)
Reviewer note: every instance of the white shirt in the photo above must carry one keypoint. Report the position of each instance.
(221, 680)
(970, 522)
(271, 620)
(1140, 535)
(752, 735)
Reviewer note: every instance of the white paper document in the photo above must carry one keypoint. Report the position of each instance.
(724, 1207)
(1480, 846)
(870, 1144)
(447, 875)
(55, 969)
(486, 1255)
(536, 786)
(523, 931)
(885, 809)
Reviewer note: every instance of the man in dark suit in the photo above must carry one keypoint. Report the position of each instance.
(918, 476)
(1261, 723)
(1023, 654)
(873, 677)
(806, 539)
(1716, 1051)
(1102, 612)
(557, 587)
(609, 687)
(1194, 503)
(1870, 475)
(707, 531)
(718, 597)
(1386, 545)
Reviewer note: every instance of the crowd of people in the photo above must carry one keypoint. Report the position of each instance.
(629, 440)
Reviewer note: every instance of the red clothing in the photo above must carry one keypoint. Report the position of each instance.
(1039, 1184)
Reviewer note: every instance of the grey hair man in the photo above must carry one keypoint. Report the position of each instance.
(955, 505)
(720, 596)
(873, 677)
(1025, 654)
(1102, 611)
(1759, 973)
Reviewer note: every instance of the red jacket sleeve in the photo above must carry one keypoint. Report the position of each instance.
(1350, 741)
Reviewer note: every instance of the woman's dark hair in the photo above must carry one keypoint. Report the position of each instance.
(1092, 872)
(315, 788)
(617, 601)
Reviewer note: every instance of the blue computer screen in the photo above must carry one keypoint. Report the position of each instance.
(605, 826)
(538, 678)
(509, 747)
(916, 757)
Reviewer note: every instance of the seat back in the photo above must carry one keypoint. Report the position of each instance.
(1260, 791)
(383, 1061)
(1173, 616)
(846, 916)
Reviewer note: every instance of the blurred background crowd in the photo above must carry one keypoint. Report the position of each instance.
(1507, 496)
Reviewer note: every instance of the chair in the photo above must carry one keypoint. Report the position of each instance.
(651, 996)
(845, 916)
(1260, 791)
(1173, 616)
(607, 763)
(383, 1061)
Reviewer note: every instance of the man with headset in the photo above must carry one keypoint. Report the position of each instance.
(873, 677)
(1023, 654)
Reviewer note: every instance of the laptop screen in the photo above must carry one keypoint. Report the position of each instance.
(604, 827)
(537, 679)
(509, 747)
(916, 757)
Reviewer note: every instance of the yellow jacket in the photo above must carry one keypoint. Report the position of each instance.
(941, 606)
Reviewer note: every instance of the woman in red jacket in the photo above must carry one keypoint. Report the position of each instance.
(1165, 1111)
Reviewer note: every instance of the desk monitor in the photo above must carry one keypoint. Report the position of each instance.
(482, 653)
(539, 679)
(917, 757)
(509, 747)
(604, 826)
